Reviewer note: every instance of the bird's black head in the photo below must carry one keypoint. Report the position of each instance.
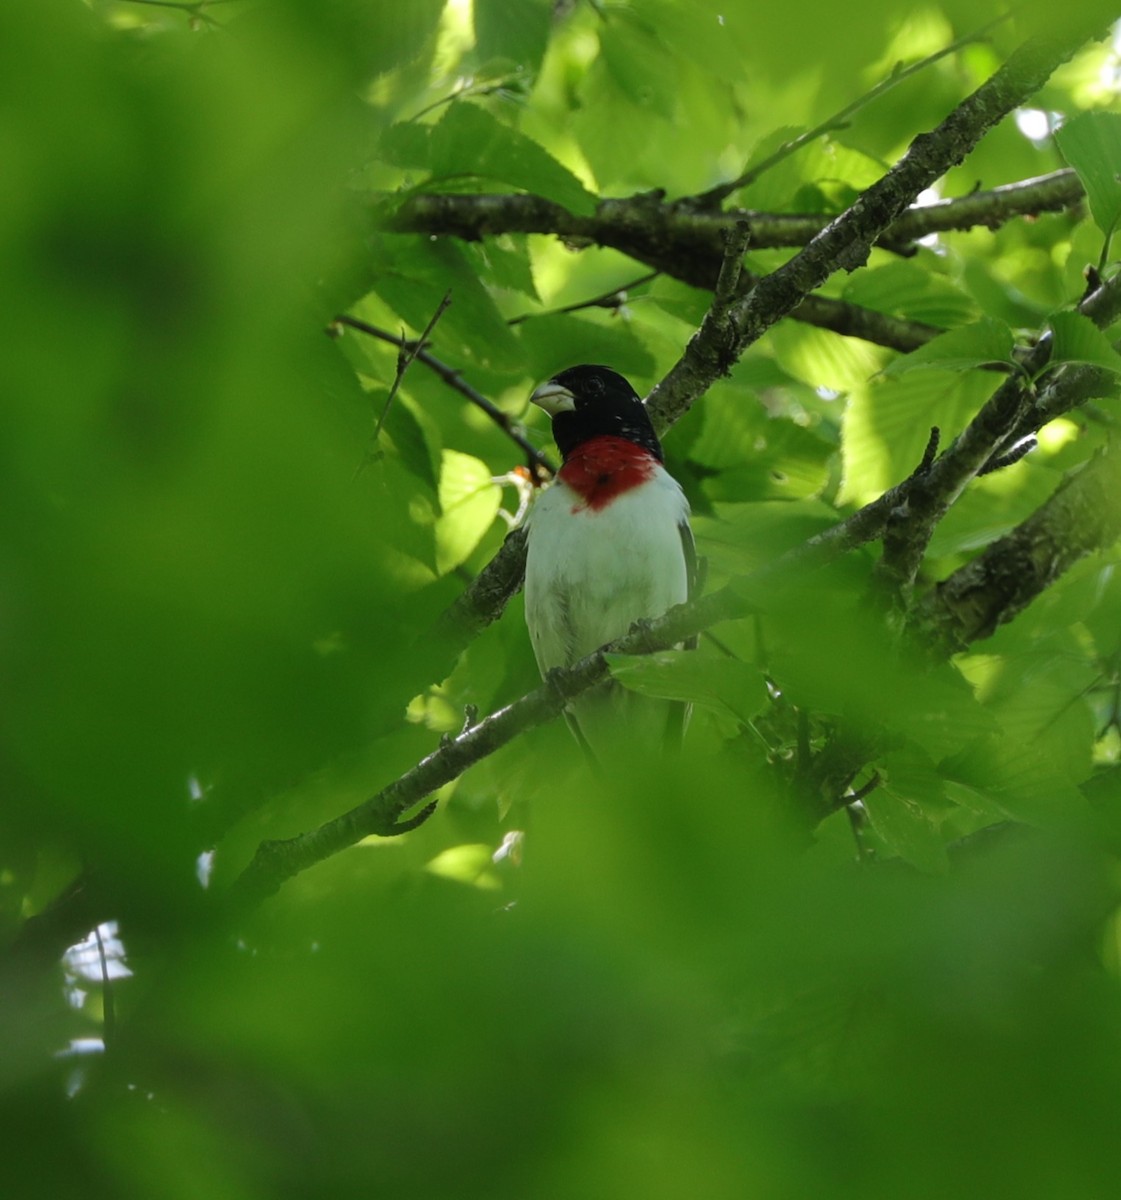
(593, 401)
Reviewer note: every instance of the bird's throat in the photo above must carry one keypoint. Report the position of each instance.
(603, 468)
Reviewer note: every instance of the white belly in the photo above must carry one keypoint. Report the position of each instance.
(590, 575)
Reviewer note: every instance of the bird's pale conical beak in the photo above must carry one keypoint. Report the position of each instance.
(553, 398)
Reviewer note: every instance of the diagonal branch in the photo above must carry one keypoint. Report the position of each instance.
(1080, 517)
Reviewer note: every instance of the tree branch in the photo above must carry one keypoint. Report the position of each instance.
(686, 243)
(1082, 516)
(614, 299)
(484, 598)
(406, 355)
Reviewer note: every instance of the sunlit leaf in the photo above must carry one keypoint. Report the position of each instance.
(469, 501)
(984, 343)
(887, 425)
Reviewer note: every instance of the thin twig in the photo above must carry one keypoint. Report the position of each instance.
(405, 358)
(540, 465)
(612, 299)
(469, 87)
(193, 8)
(108, 1009)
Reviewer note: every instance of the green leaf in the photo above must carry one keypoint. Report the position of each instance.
(825, 167)
(506, 261)
(823, 358)
(999, 298)
(559, 340)
(470, 863)
(1022, 782)
(469, 500)
(984, 343)
(789, 462)
(1078, 339)
(407, 144)
(725, 685)
(900, 810)
(1091, 143)
(469, 141)
(750, 455)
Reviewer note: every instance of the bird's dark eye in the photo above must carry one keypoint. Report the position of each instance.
(594, 386)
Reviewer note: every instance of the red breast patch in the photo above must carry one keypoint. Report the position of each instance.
(605, 467)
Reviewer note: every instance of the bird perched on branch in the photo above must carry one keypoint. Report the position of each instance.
(609, 544)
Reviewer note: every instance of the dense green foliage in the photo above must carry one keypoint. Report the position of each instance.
(228, 531)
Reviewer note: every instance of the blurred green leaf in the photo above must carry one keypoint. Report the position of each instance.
(740, 538)
(514, 31)
(724, 685)
(641, 67)
(407, 437)
(1020, 780)
(899, 810)
(557, 341)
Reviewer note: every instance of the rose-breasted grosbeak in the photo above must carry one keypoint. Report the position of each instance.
(609, 544)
